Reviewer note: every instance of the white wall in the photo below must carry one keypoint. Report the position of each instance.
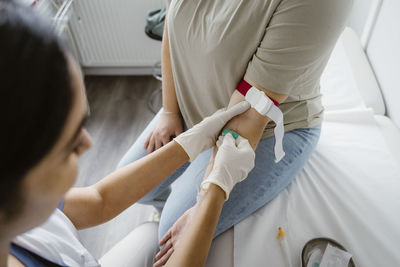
(382, 46)
(359, 15)
(384, 54)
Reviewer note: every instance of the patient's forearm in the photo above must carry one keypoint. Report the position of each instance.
(170, 102)
(250, 124)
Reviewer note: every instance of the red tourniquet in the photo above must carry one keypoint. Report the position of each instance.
(244, 87)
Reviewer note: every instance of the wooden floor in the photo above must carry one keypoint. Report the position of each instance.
(119, 113)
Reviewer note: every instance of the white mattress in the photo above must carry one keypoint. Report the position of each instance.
(391, 135)
(348, 191)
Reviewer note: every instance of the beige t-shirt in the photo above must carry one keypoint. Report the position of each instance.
(282, 45)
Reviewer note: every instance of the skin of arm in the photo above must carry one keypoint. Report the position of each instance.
(192, 249)
(169, 101)
(96, 204)
(170, 122)
(249, 124)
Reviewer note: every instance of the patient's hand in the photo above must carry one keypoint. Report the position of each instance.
(168, 125)
(171, 238)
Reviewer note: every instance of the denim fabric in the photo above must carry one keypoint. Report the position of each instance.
(158, 195)
(263, 183)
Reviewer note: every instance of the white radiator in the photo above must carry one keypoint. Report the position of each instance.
(57, 12)
(110, 36)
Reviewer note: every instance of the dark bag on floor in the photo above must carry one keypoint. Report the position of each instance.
(155, 23)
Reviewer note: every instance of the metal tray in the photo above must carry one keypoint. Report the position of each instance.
(321, 243)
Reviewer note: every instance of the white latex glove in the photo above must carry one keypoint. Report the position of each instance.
(202, 136)
(232, 164)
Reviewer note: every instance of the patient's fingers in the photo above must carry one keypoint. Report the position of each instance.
(164, 141)
(150, 148)
(158, 143)
(146, 144)
(178, 132)
(164, 259)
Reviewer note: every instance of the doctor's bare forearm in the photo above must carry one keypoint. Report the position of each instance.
(192, 249)
(96, 204)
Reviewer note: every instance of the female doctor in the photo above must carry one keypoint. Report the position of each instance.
(42, 137)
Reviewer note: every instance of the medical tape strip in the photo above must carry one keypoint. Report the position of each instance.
(267, 107)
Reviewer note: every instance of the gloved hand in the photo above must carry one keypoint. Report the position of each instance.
(233, 162)
(202, 136)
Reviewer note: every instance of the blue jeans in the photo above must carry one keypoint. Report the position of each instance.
(263, 183)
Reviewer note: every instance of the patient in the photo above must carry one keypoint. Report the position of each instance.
(281, 48)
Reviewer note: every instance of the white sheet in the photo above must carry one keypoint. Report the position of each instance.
(348, 191)
(391, 134)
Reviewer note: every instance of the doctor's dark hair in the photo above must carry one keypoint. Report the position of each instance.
(36, 97)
